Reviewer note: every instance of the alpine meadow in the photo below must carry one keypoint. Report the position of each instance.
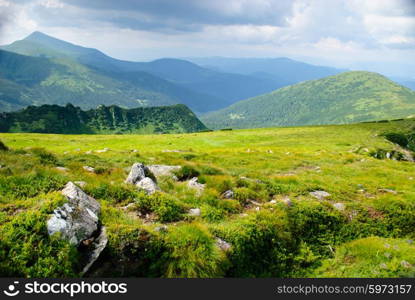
(249, 139)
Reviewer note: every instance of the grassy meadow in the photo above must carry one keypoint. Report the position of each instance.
(365, 228)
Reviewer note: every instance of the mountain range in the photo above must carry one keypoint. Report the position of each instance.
(348, 97)
(103, 120)
(87, 77)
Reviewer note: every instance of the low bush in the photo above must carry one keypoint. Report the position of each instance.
(186, 172)
(44, 156)
(3, 147)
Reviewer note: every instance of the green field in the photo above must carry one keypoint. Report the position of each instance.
(369, 234)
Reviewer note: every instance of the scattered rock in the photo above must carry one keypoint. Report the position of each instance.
(77, 219)
(95, 248)
(148, 185)
(174, 151)
(80, 183)
(339, 206)
(286, 200)
(63, 169)
(270, 151)
(134, 151)
(128, 206)
(162, 228)
(223, 245)
(88, 152)
(194, 212)
(273, 202)
(193, 184)
(257, 208)
(138, 172)
(66, 152)
(102, 151)
(89, 169)
(383, 266)
(163, 170)
(320, 195)
(388, 191)
(229, 194)
(406, 264)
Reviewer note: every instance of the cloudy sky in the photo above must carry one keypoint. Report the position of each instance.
(377, 35)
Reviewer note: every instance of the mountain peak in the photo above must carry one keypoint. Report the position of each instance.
(36, 36)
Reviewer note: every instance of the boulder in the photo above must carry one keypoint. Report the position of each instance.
(148, 185)
(320, 195)
(163, 170)
(229, 194)
(77, 219)
(193, 184)
(137, 172)
(194, 212)
(80, 183)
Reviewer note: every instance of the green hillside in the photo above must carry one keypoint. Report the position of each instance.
(59, 80)
(258, 215)
(344, 98)
(105, 119)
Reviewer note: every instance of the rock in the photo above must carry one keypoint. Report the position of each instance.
(163, 170)
(138, 172)
(410, 242)
(387, 191)
(63, 169)
(80, 183)
(320, 195)
(229, 194)
(134, 151)
(89, 169)
(273, 201)
(383, 266)
(95, 249)
(270, 151)
(148, 185)
(339, 206)
(162, 228)
(102, 151)
(287, 201)
(173, 151)
(257, 208)
(223, 245)
(77, 219)
(194, 212)
(406, 264)
(193, 184)
(88, 152)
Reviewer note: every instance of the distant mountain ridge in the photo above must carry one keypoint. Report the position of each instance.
(103, 120)
(343, 98)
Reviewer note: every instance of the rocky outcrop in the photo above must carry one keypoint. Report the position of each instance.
(77, 222)
(143, 178)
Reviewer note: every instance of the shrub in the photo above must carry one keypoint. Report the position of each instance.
(397, 138)
(192, 253)
(167, 208)
(186, 173)
(212, 214)
(112, 193)
(208, 170)
(243, 195)
(44, 156)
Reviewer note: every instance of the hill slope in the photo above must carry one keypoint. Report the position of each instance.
(344, 98)
(39, 80)
(105, 119)
(223, 88)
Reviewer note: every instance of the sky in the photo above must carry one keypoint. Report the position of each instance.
(374, 35)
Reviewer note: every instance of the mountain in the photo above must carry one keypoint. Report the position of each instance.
(344, 98)
(222, 88)
(27, 80)
(104, 120)
(282, 69)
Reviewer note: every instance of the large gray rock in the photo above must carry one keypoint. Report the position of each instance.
(138, 172)
(77, 219)
(148, 185)
(163, 170)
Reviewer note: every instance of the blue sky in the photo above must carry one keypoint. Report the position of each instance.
(377, 35)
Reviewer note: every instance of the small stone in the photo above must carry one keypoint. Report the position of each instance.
(383, 266)
(80, 183)
(162, 228)
(89, 169)
(321, 195)
(88, 152)
(229, 194)
(286, 200)
(134, 151)
(257, 208)
(387, 245)
(193, 184)
(406, 264)
(273, 201)
(339, 206)
(194, 212)
(388, 191)
(387, 254)
(63, 169)
(223, 245)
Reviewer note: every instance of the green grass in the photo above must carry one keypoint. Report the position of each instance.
(306, 239)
